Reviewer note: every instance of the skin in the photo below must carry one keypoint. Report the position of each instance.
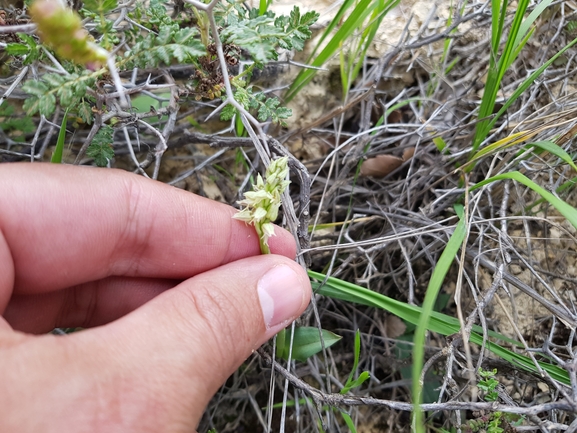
(165, 280)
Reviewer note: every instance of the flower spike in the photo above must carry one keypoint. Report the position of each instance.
(261, 205)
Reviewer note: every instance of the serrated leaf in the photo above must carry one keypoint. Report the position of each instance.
(165, 34)
(54, 80)
(162, 54)
(227, 112)
(31, 105)
(66, 95)
(85, 112)
(47, 104)
(80, 87)
(306, 342)
(16, 49)
(101, 146)
(36, 88)
(29, 40)
(186, 35)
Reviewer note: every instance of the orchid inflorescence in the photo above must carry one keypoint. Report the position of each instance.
(261, 205)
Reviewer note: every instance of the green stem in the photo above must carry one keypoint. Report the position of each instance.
(264, 248)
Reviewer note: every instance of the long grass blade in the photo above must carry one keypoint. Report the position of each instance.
(59, 149)
(435, 283)
(351, 24)
(521, 89)
(440, 323)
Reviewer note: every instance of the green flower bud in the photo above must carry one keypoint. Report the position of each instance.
(61, 29)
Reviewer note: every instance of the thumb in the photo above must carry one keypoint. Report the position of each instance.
(178, 349)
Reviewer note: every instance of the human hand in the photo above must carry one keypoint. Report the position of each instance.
(170, 284)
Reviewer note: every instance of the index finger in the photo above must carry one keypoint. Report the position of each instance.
(67, 225)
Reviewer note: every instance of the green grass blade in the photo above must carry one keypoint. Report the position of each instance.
(498, 14)
(565, 186)
(497, 71)
(435, 284)
(524, 30)
(556, 150)
(440, 323)
(335, 21)
(352, 23)
(564, 209)
(524, 86)
(59, 149)
(348, 421)
(385, 6)
(507, 57)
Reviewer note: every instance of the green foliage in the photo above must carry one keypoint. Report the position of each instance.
(435, 283)
(266, 108)
(100, 6)
(57, 155)
(70, 89)
(488, 384)
(338, 32)
(306, 342)
(9, 123)
(171, 43)
(101, 146)
(96, 10)
(519, 33)
(261, 34)
(84, 111)
(179, 38)
(351, 381)
(27, 48)
(438, 322)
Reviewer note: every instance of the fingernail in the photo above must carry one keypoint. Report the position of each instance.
(281, 295)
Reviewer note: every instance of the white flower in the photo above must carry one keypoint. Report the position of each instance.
(263, 202)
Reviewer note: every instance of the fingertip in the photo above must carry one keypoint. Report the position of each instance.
(283, 243)
(284, 291)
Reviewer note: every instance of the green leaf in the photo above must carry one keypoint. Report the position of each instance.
(227, 112)
(31, 105)
(57, 155)
(260, 33)
(84, 111)
(47, 104)
(565, 209)
(356, 383)
(440, 323)
(553, 148)
(484, 126)
(100, 6)
(15, 123)
(306, 342)
(345, 29)
(16, 49)
(54, 80)
(101, 146)
(435, 284)
(67, 96)
(348, 421)
(351, 382)
(36, 88)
